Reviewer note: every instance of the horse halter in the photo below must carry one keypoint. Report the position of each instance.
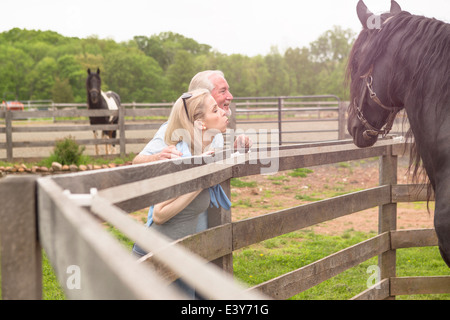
(371, 131)
(94, 90)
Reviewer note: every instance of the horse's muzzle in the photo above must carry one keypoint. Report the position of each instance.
(362, 137)
(94, 97)
(370, 134)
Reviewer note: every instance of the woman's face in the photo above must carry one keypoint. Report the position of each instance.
(214, 116)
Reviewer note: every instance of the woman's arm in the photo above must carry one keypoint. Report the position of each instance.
(166, 210)
(169, 152)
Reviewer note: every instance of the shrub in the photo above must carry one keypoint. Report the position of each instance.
(67, 151)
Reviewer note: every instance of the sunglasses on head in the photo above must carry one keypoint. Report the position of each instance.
(186, 96)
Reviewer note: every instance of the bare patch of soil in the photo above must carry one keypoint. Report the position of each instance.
(263, 194)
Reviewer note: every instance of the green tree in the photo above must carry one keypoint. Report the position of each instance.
(332, 46)
(329, 53)
(37, 64)
(164, 46)
(277, 82)
(42, 79)
(301, 71)
(243, 74)
(180, 72)
(71, 69)
(36, 50)
(15, 65)
(134, 76)
(62, 91)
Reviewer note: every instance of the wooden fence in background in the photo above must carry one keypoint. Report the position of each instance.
(277, 113)
(63, 213)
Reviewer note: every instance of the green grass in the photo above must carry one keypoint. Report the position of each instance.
(51, 289)
(243, 203)
(274, 257)
(300, 172)
(306, 198)
(238, 183)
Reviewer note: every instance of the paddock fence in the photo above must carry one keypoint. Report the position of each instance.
(64, 215)
(32, 133)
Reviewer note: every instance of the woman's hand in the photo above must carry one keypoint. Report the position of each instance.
(169, 152)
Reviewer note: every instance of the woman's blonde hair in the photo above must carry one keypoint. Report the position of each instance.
(181, 126)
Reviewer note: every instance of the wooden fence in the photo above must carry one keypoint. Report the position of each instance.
(286, 114)
(62, 214)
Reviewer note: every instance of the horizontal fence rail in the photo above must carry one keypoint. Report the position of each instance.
(294, 119)
(47, 122)
(70, 206)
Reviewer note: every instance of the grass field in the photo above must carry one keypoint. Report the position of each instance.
(274, 257)
(271, 258)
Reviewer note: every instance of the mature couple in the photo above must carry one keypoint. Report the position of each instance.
(195, 126)
(202, 113)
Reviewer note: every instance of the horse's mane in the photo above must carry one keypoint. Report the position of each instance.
(423, 43)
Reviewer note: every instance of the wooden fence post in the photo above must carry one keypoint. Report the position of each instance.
(122, 130)
(387, 214)
(217, 217)
(20, 251)
(9, 142)
(342, 123)
(280, 107)
(232, 119)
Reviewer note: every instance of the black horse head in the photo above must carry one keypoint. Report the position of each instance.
(403, 60)
(371, 105)
(93, 86)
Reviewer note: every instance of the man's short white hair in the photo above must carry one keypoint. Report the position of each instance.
(202, 80)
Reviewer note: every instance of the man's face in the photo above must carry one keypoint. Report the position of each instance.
(221, 93)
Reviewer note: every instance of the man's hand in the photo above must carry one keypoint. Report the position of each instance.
(243, 143)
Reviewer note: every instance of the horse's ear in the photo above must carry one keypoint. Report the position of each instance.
(89, 71)
(395, 7)
(98, 70)
(363, 13)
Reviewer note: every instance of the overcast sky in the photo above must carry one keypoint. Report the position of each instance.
(248, 27)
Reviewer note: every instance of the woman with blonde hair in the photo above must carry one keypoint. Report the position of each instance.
(194, 121)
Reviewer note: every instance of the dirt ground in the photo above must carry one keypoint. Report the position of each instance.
(261, 194)
(264, 194)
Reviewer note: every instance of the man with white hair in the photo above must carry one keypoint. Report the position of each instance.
(215, 82)
(157, 149)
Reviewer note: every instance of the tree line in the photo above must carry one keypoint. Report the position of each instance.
(44, 65)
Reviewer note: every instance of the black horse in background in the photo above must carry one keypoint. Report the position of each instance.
(97, 99)
(400, 61)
